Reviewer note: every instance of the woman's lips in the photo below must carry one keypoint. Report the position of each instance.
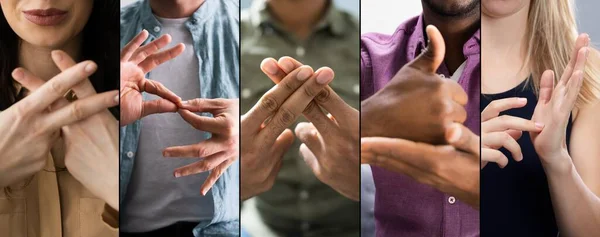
(47, 17)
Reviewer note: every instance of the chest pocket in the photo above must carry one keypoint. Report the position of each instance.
(13, 216)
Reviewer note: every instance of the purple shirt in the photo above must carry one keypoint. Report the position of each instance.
(404, 207)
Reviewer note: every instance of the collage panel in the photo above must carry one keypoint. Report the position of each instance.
(59, 118)
(299, 131)
(179, 173)
(420, 121)
(539, 108)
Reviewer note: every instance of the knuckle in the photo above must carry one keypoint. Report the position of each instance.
(309, 91)
(56, 87)
(310, 107)
(77, 111)
(202, 151)
(287, 116)
(323, 96)
(285, 84)
(268, 103)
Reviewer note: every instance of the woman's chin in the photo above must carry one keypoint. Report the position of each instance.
(52, 41)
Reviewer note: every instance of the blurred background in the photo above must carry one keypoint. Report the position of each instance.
(385, 16)
(587, 18)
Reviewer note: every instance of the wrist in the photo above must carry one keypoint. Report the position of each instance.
(559, 164)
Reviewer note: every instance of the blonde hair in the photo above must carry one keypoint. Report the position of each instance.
(551, 36)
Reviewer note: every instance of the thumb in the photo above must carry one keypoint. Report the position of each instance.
(432, 57)
(462, 138)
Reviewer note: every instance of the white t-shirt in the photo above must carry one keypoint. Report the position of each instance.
(155, 198)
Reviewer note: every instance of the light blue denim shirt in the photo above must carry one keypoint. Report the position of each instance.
(215, 32)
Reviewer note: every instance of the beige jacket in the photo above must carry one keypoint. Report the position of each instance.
(55, 204)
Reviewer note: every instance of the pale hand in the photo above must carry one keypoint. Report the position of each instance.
(555, 106)
(136, 62)
(218, 152)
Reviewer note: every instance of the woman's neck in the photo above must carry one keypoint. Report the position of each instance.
(504, 48)
(38, 60)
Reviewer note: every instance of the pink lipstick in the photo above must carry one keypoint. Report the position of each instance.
(47, 17)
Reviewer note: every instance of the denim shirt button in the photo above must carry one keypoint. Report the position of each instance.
(156, 29)
(130, 154)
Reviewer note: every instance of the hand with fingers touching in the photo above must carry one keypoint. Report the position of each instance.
(400, 104)
(265, 134)
(218, 152)
(452, 169)
(554, 109)
(91, 143)
(29, 128)
(503, 131)
(330, 142)
(136, 62)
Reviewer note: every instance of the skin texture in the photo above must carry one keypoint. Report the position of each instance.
(452, 168)
(47, 36)
(503, 131)
(92, 143)
(573, 177)
(265, 136)
(38, 128)
(218, 152)
(330, 141)
(136, 62)
(85, 125)
(416, 86)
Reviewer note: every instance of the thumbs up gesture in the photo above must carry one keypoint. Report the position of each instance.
(416, 104)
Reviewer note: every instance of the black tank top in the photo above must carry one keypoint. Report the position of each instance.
(515, 201)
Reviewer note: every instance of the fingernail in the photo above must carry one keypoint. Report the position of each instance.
(203, 192)
(185, 102)
(56, 55)
(286, 65)
(304, 74)
(177, 174)
(18, 74)
(520, 158)
(539, 125)
(270, 67)
(455, 134)
(324, 77)
(90, 67)
(116, 98)
(522, 100)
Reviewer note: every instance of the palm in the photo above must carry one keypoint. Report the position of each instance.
(131, 95)
(552, 138)
(136, 62)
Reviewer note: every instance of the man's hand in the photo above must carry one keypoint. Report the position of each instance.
(136, 61)
(265, 133)
(416, 104)
(218, 152)
(330, 142)
(451, 169)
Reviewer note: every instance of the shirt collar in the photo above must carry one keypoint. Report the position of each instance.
(153, 26)
(334, 19)
(417, 41)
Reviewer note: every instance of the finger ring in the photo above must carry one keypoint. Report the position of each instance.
(70, 96)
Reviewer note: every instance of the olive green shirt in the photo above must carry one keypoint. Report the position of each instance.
(298, 201)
